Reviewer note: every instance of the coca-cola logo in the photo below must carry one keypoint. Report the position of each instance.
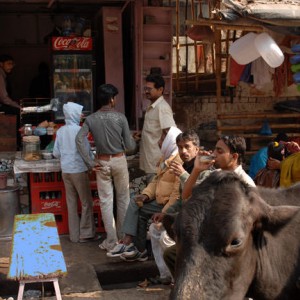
(72, 43)
(51, 204)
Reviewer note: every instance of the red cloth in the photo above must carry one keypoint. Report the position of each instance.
(235, 72)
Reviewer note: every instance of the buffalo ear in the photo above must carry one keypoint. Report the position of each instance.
(273, 218)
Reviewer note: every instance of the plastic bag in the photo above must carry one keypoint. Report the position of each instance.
(265, 129)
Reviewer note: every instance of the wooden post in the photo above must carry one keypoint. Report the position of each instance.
(177, 45)
(195, 48)
(218, 67)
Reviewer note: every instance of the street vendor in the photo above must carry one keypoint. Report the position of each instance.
(7, 104)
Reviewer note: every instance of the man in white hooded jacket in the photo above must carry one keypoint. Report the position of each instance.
(75, 176)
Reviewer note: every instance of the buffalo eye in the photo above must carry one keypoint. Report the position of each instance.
(236, 242)
(233, 247)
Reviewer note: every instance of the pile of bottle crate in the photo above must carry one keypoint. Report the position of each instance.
(47, 193)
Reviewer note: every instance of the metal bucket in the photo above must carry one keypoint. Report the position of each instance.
(3, 180)
(9, 207)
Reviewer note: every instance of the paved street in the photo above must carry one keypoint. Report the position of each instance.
(87, 265)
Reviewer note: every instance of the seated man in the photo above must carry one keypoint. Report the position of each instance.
(227, 155)
(290, 170)
(259, 159)
(188, 145)
(159, 194)
(289, 167)
(267, 177)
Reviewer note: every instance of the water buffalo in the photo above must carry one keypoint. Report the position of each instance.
(231, 244)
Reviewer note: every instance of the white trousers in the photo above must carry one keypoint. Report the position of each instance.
(114, 174)
(160, 240)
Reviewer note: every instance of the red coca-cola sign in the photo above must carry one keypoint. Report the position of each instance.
(68, 43)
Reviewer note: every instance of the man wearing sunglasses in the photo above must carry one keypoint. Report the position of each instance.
(158, 116)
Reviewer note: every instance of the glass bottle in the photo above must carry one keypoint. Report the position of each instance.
(28, 129)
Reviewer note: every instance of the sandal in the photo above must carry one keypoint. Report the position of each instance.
(160, 280)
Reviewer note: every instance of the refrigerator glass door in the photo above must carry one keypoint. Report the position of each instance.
(72, 80)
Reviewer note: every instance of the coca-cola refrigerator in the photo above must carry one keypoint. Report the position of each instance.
(73, 64)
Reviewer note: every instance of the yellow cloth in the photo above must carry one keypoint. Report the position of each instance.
(290, 170)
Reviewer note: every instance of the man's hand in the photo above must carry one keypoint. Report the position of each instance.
(136, 135)
(97, 167)
(273, 164)
(158, 217)
(141, 198)
(201, 163)
(292, 147)
(176, 168)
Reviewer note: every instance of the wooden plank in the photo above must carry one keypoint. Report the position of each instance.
(8, 143)
(8, 129)
(272, 136)
(256, 127)
(8, 125)
(259, 136)
(36, 251)
(258, 116)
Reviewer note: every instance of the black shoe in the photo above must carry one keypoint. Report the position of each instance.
(92, 239)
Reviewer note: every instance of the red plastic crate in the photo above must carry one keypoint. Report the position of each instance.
(48, 199)
(96, 208)
(95, 196)
(98, 221)
(48, 179)
(92, 177)
(62, 222)
(61, 219)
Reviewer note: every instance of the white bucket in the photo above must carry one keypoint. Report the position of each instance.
(243, 50)
(269, 50)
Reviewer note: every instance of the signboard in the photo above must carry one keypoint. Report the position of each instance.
(67, 43)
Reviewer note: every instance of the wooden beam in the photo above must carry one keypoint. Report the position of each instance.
(237, 25)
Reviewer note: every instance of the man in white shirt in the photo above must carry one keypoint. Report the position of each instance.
(227, 155)
(158, 116)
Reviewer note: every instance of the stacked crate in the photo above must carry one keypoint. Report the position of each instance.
(96, 207)
(48, 195)
(96, 203)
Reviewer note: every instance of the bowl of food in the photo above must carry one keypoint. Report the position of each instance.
(47, 155)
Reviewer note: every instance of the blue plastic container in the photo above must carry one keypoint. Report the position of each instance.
(295, 59)
(296, 48)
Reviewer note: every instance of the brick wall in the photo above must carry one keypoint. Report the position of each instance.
(193, 111)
